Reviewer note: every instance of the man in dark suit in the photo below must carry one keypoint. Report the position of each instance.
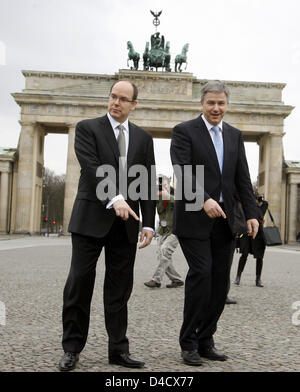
(108, 220)
(206, 234)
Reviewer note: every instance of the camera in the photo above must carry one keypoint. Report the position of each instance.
(260, 198)
(160, 184)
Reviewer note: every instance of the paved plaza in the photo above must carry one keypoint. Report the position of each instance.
(259, 333)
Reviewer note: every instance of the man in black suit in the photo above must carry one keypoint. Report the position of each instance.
(206, 234)
(110, 220)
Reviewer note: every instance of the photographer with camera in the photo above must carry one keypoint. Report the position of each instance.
(167, 242)
(256, 246)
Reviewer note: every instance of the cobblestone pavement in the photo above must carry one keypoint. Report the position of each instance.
(257, 333)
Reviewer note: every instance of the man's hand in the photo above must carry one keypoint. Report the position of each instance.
(213, 209)
(252, 225)
(146, 236)
(123, 210)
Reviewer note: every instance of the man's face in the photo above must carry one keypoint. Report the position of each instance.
(214, 107)
(119, 103)
(166, 185)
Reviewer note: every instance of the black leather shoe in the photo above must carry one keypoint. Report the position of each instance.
(191, 358)
(178, 283)
(124, 359)
(229, 301)
(237, 280)
(212, 353)
(68, 361)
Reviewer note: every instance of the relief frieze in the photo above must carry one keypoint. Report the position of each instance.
(161, 87)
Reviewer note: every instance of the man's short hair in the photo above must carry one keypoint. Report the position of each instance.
(135, 89)
(215, 86)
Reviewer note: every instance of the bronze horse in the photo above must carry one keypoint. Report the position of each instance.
(132, 55)
(181, 58)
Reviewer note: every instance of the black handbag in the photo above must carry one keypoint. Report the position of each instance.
(271, 233)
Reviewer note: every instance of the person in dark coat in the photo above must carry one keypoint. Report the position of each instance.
(256, 246)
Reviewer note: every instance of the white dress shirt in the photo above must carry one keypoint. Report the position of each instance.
(115, 124)
(209, 126)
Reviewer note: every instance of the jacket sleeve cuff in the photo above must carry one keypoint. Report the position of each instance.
(116, 198)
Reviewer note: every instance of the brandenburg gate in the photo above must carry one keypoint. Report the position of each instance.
(53, 102)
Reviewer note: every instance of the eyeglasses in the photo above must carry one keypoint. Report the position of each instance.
(114, 98)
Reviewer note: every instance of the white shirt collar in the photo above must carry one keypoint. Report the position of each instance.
(114, 123)
(209, 125)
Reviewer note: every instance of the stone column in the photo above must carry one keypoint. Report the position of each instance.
(275, 177)
(72, 177)
(4, 194)
(14, 186)
(26, 175)
(264, 160)
(270, 173)
(293, 210)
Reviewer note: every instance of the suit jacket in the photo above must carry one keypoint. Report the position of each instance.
(192, 145)
(96, 145)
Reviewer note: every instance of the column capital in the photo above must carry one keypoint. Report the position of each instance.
(4, 170)
(276, 134)
(71, 125)
(25, 123)
(293, 179)
(5, 165)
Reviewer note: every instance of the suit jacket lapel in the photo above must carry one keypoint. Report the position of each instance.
(110, 136)
(226, 141)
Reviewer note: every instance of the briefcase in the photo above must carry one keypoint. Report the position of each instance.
(272, 234)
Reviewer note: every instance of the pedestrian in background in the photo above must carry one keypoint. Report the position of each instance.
(167, 242)
(255, 246)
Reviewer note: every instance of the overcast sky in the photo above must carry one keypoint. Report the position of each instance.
(245, 40)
